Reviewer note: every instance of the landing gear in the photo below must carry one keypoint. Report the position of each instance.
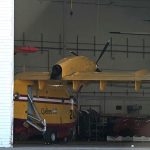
(70, 137)
(53, 137)
(65, 139)
(50, 137)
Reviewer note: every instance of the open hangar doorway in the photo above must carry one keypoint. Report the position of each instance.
(50, 29)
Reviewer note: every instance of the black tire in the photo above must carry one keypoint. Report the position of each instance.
(65, 139)
(50, 137)
(53, 137)
(71, 135)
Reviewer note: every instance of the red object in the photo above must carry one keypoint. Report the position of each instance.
(26, 49)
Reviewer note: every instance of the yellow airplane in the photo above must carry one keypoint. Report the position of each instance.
(78, 70)
(49, 110)
(81, 69)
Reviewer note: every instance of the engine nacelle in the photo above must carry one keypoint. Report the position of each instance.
(71, 65)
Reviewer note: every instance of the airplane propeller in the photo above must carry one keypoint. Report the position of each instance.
(103, 51)
(100, 56)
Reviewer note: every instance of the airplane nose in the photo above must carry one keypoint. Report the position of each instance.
(56, 72)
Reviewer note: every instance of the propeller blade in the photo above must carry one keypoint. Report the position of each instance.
(103, 51)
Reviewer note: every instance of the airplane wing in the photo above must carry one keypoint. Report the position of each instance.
(39, 78)
(105, 76)
(79, 77)
(110, 76)
(33, 76)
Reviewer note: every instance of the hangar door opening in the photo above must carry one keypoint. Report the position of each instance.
(76, 78)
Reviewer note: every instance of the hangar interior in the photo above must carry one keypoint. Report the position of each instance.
(57, 27)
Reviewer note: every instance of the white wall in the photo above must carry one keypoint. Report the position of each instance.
(6, 75)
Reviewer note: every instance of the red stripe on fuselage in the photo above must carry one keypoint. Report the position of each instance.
(62, 129)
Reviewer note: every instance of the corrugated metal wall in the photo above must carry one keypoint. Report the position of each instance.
(6, 71)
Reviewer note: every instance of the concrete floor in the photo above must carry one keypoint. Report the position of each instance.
(84, 146)
(73, 148)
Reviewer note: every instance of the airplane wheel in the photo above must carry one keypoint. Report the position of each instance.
(53, 137)
(50, 137)
(65, 140)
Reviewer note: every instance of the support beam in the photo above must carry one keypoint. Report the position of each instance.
(103, 85)
(138, 86)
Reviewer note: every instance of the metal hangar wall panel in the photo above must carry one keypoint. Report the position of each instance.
(6, 74)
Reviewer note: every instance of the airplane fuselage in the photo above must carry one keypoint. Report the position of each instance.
(53, 103)
(73, 64)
